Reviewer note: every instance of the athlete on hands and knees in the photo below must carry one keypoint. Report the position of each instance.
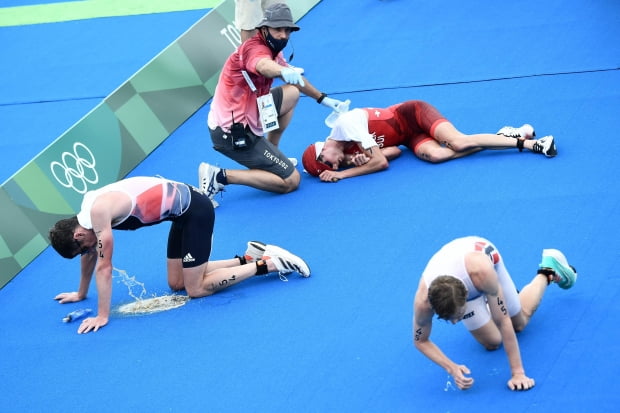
(466, 280)
(245, 107)
(363, 141)
(142, 201)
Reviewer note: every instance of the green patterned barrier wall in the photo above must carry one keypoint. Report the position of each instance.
(116, 135)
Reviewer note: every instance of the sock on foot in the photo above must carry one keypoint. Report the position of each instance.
(221, 177)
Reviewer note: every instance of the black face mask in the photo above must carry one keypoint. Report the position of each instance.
(274, 44)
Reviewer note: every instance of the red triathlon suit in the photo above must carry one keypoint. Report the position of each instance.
(409, 123)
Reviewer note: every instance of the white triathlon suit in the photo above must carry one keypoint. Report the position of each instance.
(450, 260)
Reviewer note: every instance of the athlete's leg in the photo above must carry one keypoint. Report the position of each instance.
(446, 134)
(211, 276)
(530, 296)
(175, 274)
(423, 124)
(175, 254)
(521, 305)
(264, 180)
(477, 320)
(488, 335)
(199, 283)
(430, 150)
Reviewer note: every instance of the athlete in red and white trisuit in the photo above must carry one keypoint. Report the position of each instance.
(365, 140)
(136, 202)
(467, 280)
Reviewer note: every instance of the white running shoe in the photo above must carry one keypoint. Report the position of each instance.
(208, 184)
(286, 262)
(526, 131)
(546, 146)
(255, 251)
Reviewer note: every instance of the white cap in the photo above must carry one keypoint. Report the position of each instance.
(318, 147)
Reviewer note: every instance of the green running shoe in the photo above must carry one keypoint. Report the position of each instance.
(556, 261)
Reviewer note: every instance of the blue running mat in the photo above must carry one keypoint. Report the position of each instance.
(341, 340)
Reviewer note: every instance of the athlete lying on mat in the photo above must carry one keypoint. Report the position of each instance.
(467, 280)
(141, 201)
(363, 141)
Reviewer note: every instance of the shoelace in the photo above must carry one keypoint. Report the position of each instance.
(538, 147)
(212, 188)
(282, 273)
(221, 192)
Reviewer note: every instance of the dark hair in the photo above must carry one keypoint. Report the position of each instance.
(61, 237)
(447, 294)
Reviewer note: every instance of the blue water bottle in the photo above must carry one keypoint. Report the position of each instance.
(77, 314)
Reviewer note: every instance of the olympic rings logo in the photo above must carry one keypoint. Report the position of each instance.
(77, 169)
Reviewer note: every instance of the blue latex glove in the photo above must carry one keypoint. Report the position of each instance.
(335, 104)
(292, 76)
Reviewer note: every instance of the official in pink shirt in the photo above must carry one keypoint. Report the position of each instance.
(248, 117)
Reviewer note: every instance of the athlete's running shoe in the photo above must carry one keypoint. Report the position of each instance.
(286, 262)
(554, 260)
(546, 146)
(255, 251)
(526, 131)
(208, 182)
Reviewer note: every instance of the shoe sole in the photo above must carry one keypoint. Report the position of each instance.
(555, 260)
(552, 149)
(277, 253)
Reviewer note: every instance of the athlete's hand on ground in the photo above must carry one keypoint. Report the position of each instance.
(462, 382)
(330, 176)
(72, 297)
(520, 382)
(92, 324)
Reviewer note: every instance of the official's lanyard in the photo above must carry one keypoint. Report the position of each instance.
(266, 107)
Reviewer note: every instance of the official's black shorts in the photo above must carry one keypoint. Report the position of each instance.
(260, 153)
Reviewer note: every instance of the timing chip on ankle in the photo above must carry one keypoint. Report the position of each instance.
(548, 272)
(261, 267)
